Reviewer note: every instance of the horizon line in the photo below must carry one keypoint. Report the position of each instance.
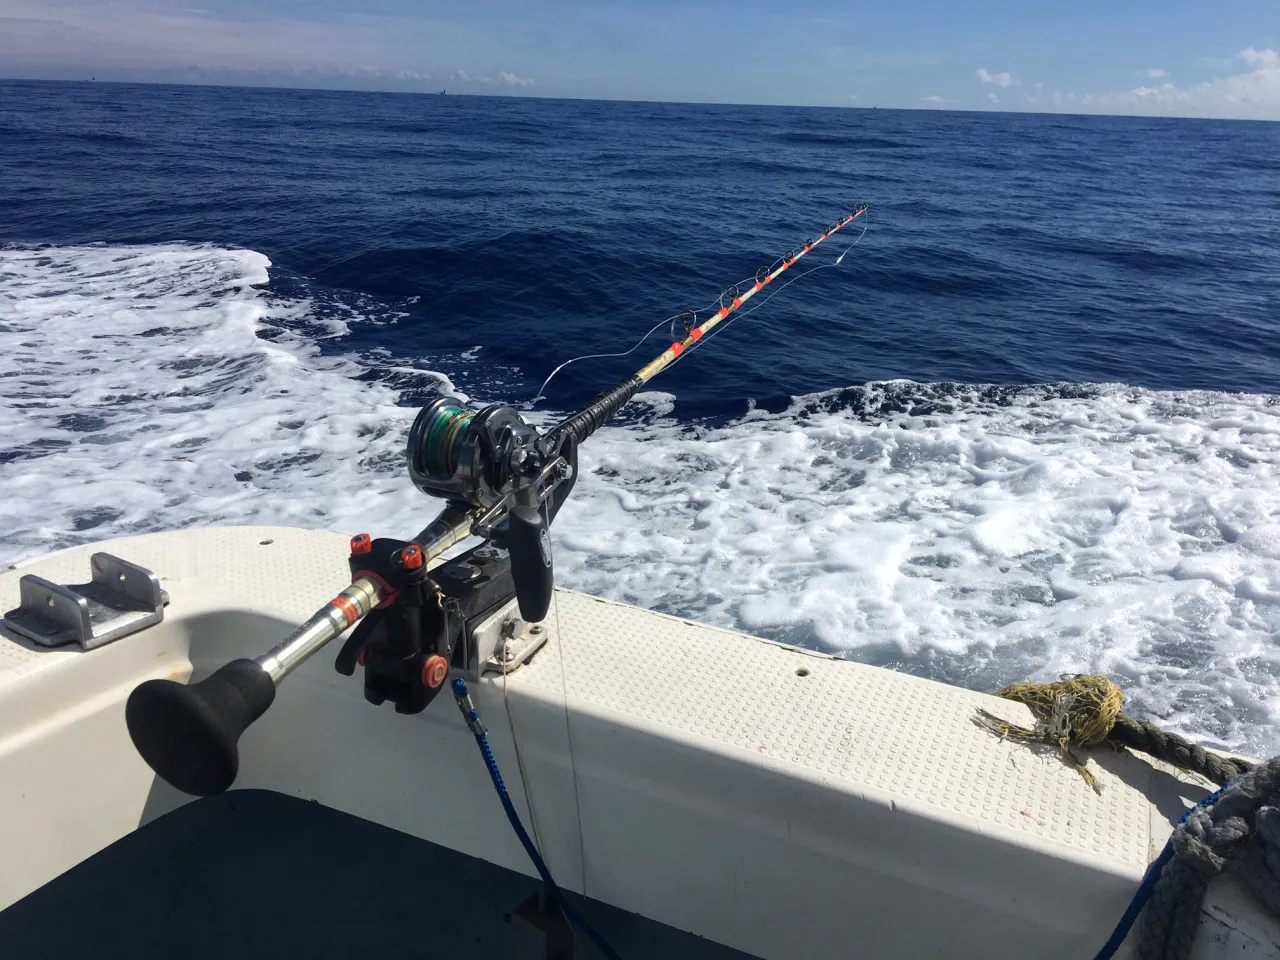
(694, 103)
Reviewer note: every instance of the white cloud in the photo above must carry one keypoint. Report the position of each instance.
(1155, 73)
(1262, 59)
(137, 34)
(1218, 63)
(377, 73)
(993, 98)
(1252, 93)
(1165, 92)
(503, 78)
(934, 98)
(1038, 85)
(853, 96)
(1002, 79)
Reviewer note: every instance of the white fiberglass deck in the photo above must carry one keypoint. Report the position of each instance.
(778, 801)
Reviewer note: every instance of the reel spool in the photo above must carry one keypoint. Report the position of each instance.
(468, 456)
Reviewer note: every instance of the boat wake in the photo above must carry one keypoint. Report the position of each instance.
(971, 533)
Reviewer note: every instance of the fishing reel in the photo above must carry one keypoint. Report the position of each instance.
(508, 480)
(503, 482)
(471, 457)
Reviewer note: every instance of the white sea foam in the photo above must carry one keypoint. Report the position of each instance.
(1129, 532)
(973, 534)
(138, 394)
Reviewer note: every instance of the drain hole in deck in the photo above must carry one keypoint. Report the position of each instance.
(802, 672)
(265, 543)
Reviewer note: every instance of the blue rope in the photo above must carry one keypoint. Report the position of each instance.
(1143, 893)
(472, 717)
(1139, 901)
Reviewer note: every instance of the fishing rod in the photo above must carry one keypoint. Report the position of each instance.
(414, 623)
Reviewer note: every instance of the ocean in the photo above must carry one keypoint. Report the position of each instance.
(1028, 426)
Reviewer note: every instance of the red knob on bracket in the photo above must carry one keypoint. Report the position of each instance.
(435, 670)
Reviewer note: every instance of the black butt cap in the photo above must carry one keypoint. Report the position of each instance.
(188, 734)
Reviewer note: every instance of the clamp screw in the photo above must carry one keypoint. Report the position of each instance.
(434, 671)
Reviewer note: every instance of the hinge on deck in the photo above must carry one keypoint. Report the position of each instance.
(122, 598)
(503, 642)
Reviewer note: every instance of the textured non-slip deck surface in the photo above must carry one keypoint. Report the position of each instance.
(864, 729)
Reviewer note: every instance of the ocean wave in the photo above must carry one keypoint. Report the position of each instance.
(816, 138)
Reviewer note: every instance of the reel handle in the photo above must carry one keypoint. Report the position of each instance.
(529, 543)
(188, 733)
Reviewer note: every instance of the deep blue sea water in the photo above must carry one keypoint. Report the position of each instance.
(224, 304)
(1005, 248)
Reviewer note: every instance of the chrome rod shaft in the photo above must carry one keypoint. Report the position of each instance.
(452, 526)
(327, 623)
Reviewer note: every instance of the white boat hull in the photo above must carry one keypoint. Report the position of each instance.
(775, 800)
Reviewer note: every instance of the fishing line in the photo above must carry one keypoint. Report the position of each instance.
(587, 421)
(781, 287)
(733, 290)
(670, 321)
(601, 356)
(748, 313)
(568, 730)
(524, 778)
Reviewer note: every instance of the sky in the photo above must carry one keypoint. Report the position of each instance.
(1172, 57)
